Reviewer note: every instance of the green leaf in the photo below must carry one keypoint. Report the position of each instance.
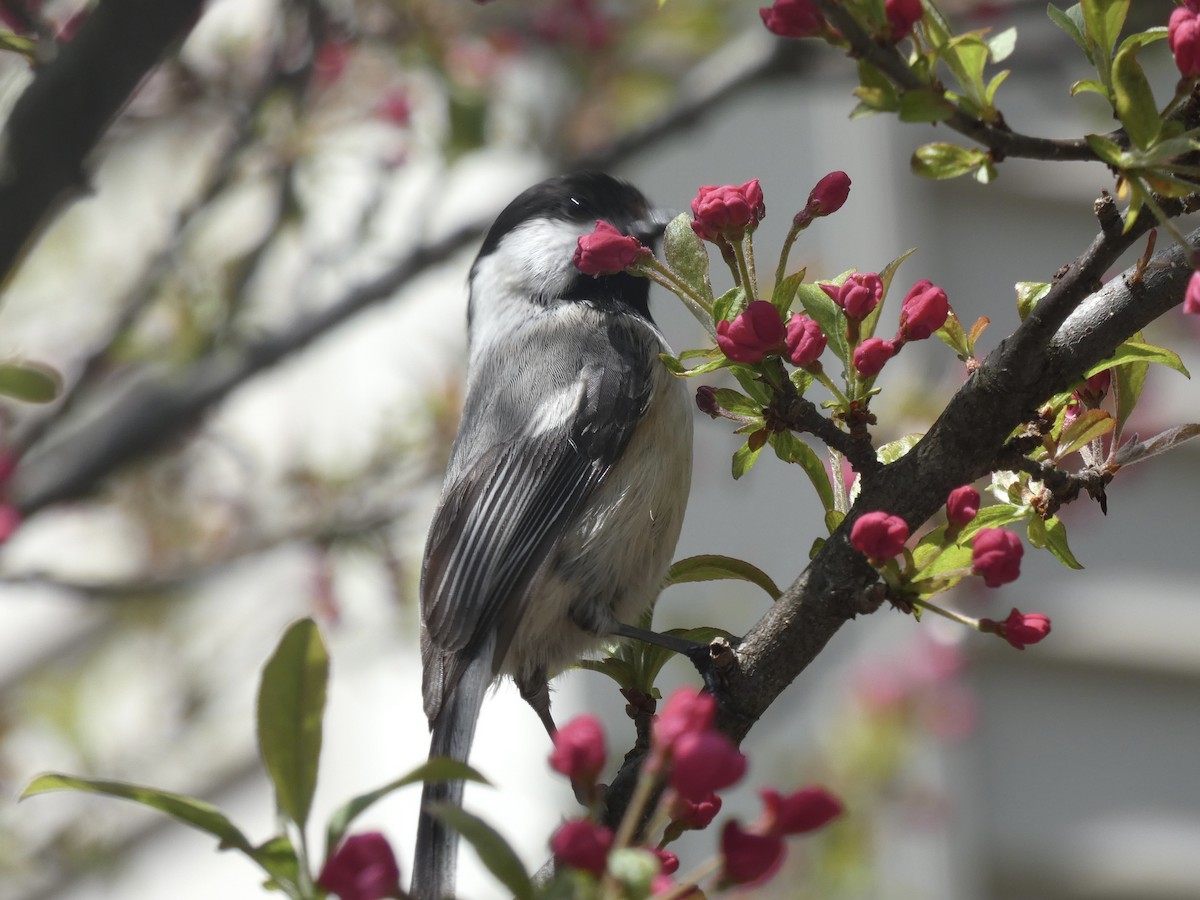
(1128, 380)
(685, 254)
(713, 567)
(1103, 21)
(1089, 86)
(438, 768)
(291, 704)
(943, 160)
(754, 387)
(791, 449)
(619, 670)
(277, 857)
(893, 450)
(729, 304)
(1134, 351)
(744, 459)
(1107, 151)
(996, 516)
(1088, 426)
(924, 105)
(952, 335)
(1052, 536)
(1002, 44)
(30, 382)
(494, 851)
(930, 563)
(188, 810)
(738, 403)
(1071, 22)
(1029, 295)
(876, 93)
(785, 292)
(1134, 99)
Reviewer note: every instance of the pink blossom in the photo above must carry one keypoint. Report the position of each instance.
(923, 312)
(1183, 35)
(362, 868)
(703, 763)
(871, 355)
(879, 535)
(686, 711)
(1191, 299)
(754, 334)
(607, 251)
(902, 15)
(962, 505)
(793, 18)
(798, 812)
(805, 341)
(697, 814)
(996, 555)
(858, 295)
(1019, 629)
(582, 844)
(749, 858)
(579, 750)
(828, 196)
(727, 211)
(394, 107)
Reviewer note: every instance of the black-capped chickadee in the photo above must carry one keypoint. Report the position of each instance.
(567, 481)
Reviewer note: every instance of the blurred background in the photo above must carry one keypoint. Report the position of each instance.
(294, 151)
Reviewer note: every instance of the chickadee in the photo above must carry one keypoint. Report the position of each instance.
(567, 481)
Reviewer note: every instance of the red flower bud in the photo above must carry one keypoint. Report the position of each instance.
(871, 355)
(670, 862)
(579, 751)
(606, 251)
(727, 211)
(1019, 629)
(962, 505)
(362, 868)
(798, 812)
(879, 535)
(749, 858)
(394, 107)
(923, 312)
(1191, 299)
(828, 196)
(704, 763)
(696, 814)
(582, 844)
(1183, 35)
(902, 15)
(793, 18)
(757, 332)
(996, 555)
(858, 295)
(706, 401)
(686, 711)
(805, 341)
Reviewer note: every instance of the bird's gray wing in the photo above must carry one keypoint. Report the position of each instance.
(504, 513)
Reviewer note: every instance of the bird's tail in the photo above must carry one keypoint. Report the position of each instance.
(434, 863)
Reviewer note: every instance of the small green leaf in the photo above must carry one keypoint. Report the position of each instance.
(1088, 426)
(876, 93)
(291, 704)
(1134, 351)
(752, 384)
(943, 160)
(1128, 380)
(785, 292)
(893, 450)
(821, 308)
(277, 857)
(1089, 86)
(995, 516)
(1134, 99)
(493, 850)
(952, 335)
(1106, 150)
(791, 449)
(1029, 295)
(729, 304)
(713, 567)
(1053, 536)
(438, 768)
(686, 256)
(924, 105)
(1071, 22)
(744, 459)
(1103, 21)
(1002, 44)
(188, 810)
(738, 403)
(29, 382)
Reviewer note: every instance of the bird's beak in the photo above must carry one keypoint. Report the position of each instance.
(651, 228)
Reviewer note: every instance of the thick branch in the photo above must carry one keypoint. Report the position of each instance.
(57, 121)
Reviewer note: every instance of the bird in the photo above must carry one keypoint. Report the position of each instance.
(567, 481)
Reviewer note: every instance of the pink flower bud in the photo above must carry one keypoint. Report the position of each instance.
(798, 812)
(394, 107)
(704, 763)
(793, 18)
(924, 311)
(1097, 386)
(606, 251)
(858, 295)
(996, 555)
(828, 196)
(1183, 35)
(727, 211)
(330, 61)
(871, 355)
(10, 521)
(669, 861)
(749, 858)
(1019, 629)
(902, 15)
(362, 868)
(805, 341)
(696, 814)
(582, 844)
(687, 711)
(879, 535)
(757, 332)
(1191, 299)
(962, 505)
(706, 401)
(579, 750)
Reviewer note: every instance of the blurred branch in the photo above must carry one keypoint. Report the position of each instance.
(59, 118)
(153, 410)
